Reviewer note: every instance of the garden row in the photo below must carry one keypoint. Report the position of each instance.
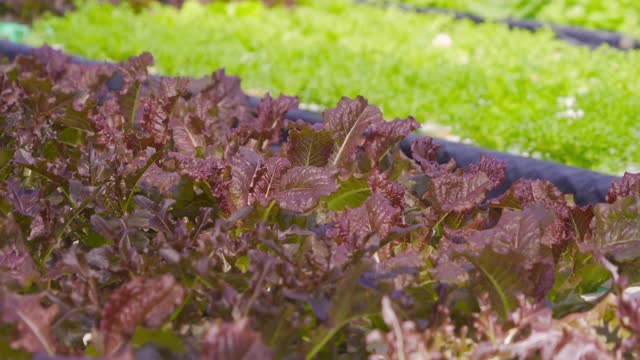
(578, 36)
(506, 90)
(613, 15)
(26, 11)
(170, 219)
(587, 187)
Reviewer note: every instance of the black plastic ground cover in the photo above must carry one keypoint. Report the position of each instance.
(572, 34)
(588, 187)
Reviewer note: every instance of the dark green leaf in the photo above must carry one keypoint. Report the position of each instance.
(94, 240)
(160, 337)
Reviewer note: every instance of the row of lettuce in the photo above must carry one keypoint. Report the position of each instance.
(622, 16)
(26, 11)
(167, 219)
(614, 15)
(503, 89)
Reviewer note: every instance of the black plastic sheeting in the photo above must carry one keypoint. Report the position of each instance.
(588, 187)
(572, 34)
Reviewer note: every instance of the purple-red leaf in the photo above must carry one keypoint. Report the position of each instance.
(16, 265)
(160, 179)
(348, 121)
(424, 151)
(107, 123)
(514, 256)
(135, 70)
(308, 146)
(459, 192)
(394, 192)
(235, 341)
(268, 182)
(540, 336)
(140, 301)
(272, 112)
(155, 120)
(581, 220)
(197, 168)
(33, 321)
(628, 185)
(521, 232)
(296, 189)
(245, 171)
(187, 133)
(494, 169)
(526, 192)
(26, 202)
(616, 229)
(376, 215)
(228, 100)
(301, 188)
(385, 135)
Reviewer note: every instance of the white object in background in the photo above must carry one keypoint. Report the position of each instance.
(442, 40)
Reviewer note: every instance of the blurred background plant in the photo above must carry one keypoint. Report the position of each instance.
(613, 15)
(26, 11)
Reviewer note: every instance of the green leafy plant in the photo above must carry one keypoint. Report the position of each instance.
(27, 11)
(615, 15)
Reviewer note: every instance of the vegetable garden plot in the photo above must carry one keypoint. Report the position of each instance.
(161, 218)
(533, 95)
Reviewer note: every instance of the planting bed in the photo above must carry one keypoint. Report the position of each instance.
(169, 219)
(614, 15)
(578, 36)
(531, 95)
